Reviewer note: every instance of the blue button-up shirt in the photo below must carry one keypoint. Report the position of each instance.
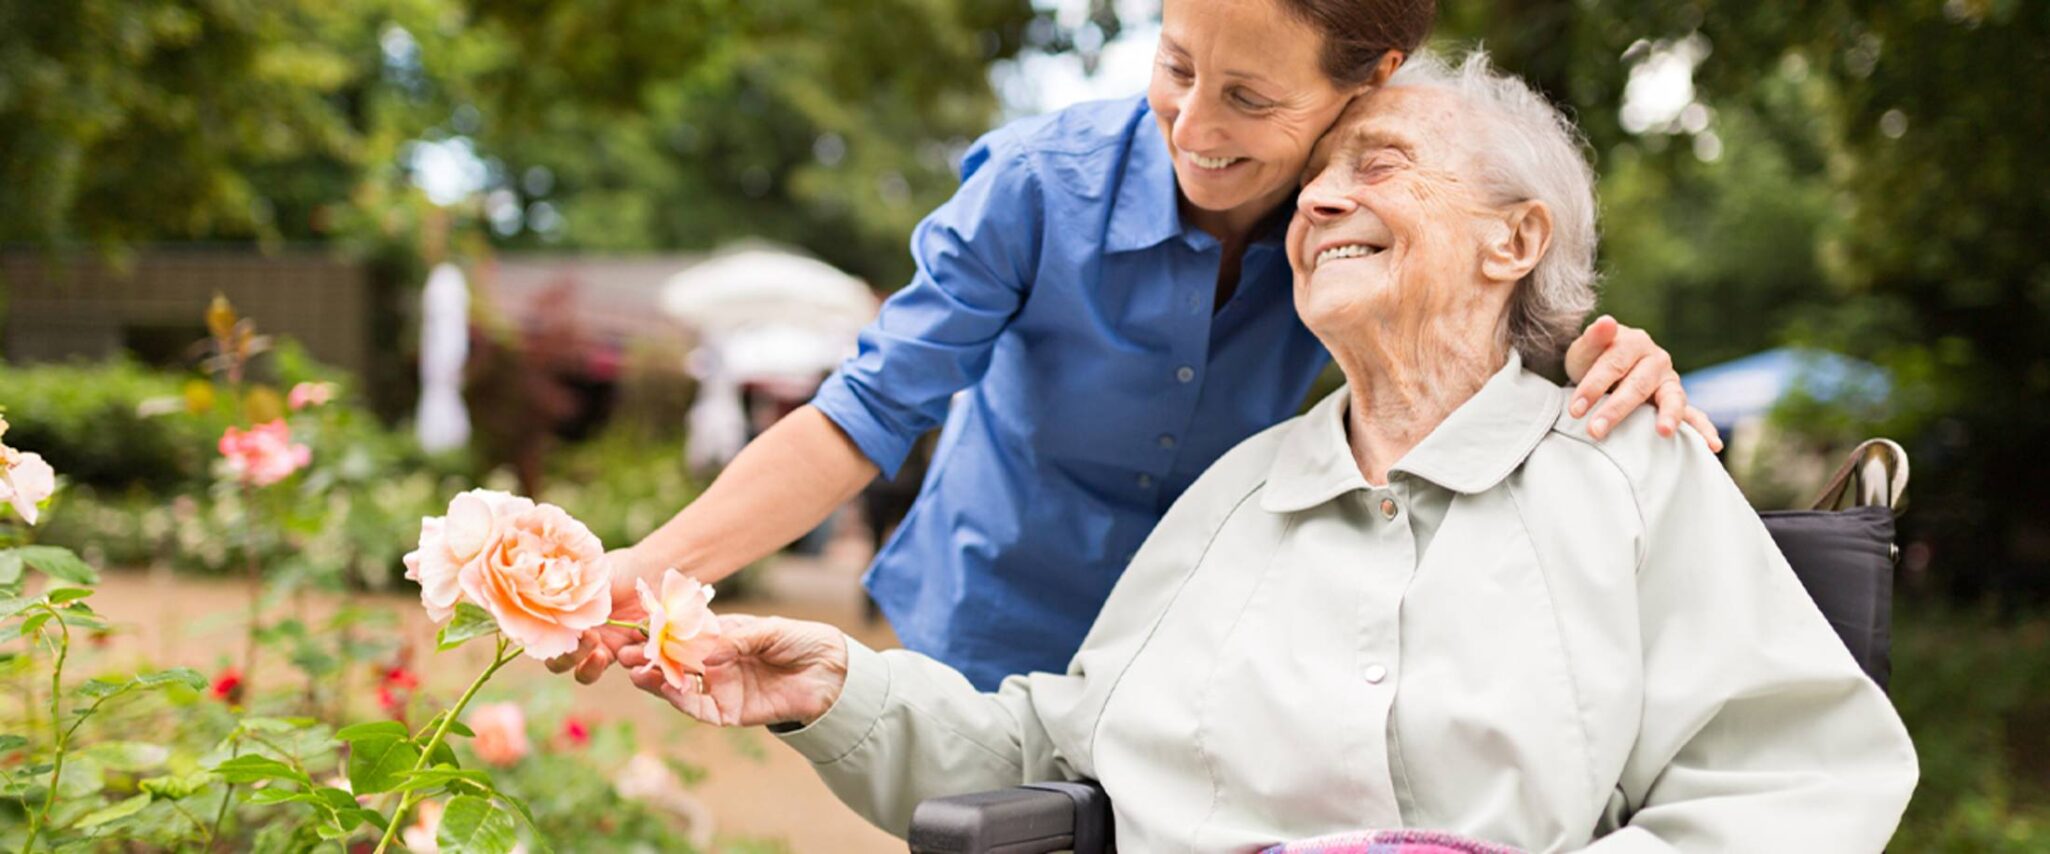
(1061, 294)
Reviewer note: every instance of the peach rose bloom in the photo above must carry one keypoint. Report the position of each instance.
(501, 733)
(476, 521)
(264, 454)
(545, 581)
(681, 628)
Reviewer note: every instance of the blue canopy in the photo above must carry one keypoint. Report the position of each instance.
(1749, 387)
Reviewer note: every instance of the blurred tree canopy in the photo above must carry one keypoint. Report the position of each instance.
(606, 124)
(1861, 175)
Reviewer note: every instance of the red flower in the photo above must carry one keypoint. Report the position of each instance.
(575, 732)
(394, 687)
(228, 686)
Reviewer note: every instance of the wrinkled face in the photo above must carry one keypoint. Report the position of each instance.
(1389, 224)
(1240, 99)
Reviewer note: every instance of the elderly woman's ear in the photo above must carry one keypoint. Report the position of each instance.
(1516, 245)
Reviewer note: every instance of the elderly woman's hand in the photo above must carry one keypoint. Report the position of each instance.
(764, 670)
(1624, 363)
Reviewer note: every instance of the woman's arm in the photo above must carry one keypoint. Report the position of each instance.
(884, 730)
(780, 486)
(1759, 731)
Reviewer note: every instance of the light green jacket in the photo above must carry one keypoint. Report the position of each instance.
(1526, 636)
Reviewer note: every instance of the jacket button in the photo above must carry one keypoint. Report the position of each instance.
(1376, 673)
(1185, 373)
(1388, 509)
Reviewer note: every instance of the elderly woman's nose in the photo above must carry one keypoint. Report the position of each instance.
(1324, 199)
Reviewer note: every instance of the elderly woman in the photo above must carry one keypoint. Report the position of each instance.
(1431, 602)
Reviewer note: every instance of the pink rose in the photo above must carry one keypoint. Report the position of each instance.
(264, 454)
(540, 573)
(476, 521)
(501, 733)
(304, 395)
(25, 481)
(681, 628)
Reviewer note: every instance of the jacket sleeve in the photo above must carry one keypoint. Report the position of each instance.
(906, 728)
(976, 257)
(1760, 733)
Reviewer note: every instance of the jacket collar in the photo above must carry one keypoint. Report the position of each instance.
(1477, 446)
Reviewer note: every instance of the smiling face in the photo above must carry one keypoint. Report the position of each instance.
(1240, 99)
(1391, 230)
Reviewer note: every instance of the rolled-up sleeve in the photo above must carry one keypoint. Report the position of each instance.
(976, 257)
(906, 728)
(1759, 732)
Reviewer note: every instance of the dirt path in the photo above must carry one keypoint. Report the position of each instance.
(754, 787)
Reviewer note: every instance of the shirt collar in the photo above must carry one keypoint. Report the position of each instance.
(1477, 446)
(1146, 211)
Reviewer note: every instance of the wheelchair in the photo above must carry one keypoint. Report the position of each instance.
(1842, 549)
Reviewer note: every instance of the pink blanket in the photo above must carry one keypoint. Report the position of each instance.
(1391, 842)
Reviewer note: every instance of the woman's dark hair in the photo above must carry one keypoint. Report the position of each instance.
(1357, 32)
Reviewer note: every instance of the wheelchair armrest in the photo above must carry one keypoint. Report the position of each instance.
(1031, 819)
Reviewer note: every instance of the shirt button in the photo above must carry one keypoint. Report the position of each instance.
(1166, 441)
(1375, 673)
(1145, 481)
(1388, 509)
(1185, 373)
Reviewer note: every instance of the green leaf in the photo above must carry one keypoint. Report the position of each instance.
(374, 729)
(432, 777)
(129, 755)
(102, 687)
(444, 754)
(10, 566)
(375, 762)
(122, 809)
(263, 724)
(13, 605)
(58, 563)
(469, 622)
(175, 787)
(61, 595)
(82, 776)
(472, 825)
(249, 768)
(34, 622)
(265, 797)
(84, 620)
(456, 728)
(11, 742)
(527, 814)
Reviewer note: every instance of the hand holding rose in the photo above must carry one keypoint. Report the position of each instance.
(757, 670)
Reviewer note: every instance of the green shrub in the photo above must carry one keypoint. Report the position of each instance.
(86, 419)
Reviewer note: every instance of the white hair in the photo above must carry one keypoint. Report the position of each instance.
(1529, 151)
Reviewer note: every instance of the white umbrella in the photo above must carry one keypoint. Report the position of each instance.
(755, 285)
